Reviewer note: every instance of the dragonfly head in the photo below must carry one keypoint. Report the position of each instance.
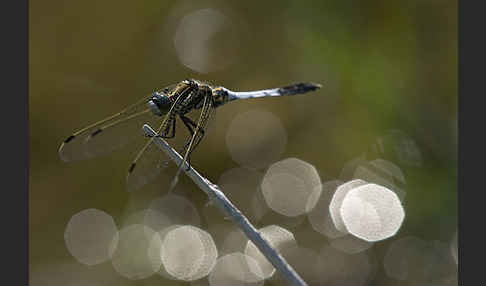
(159, 104)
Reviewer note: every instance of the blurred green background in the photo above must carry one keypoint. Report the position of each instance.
(383, 65)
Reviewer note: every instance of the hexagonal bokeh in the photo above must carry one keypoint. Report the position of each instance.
(289, 184)
(372, 212)
(337, 200)
(236, 269)
(188, 253)
(89, 234)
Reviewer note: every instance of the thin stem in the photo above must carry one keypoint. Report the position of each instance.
(229, 210)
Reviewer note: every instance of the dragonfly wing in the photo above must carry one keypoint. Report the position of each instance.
(110, 133)
(148, 166)
(150, 161)
(106, 135)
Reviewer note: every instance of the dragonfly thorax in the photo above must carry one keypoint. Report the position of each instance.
(159, 104)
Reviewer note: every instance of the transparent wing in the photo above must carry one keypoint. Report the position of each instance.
(150, 161)
(110, 133)
(150, 164)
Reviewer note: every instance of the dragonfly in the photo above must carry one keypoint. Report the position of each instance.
(162, 107)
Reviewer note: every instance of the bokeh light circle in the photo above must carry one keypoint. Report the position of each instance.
(188, 253)
(397, 144)
(206, 40)
(236, 269)
(372, 212)
(89, 235)
(289, 184)
(337, 200)
(171, 209)
(235, 241)
(384, 173)
(319, 217)
(131, 258)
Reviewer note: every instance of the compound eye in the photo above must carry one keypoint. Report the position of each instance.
(160, 103)
(163, 101)
(154, 108)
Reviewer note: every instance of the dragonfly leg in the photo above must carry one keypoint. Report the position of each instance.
(194, 145)
(188, 160)
(171, 128)
(198, 140)
(201, 124)
(188, 123)
(172, 135)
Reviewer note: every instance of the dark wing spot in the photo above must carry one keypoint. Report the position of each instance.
(132, 166)
(69, 138)
(96, 132)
